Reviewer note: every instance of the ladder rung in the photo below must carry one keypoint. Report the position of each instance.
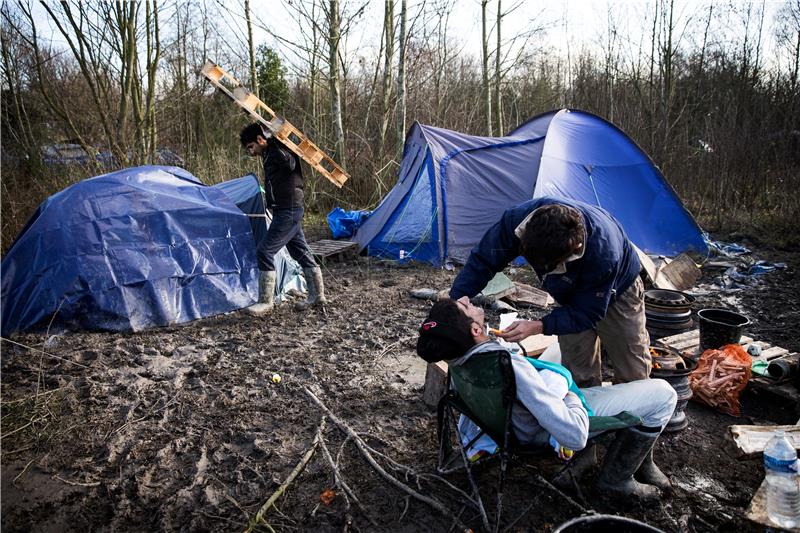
(293, 138)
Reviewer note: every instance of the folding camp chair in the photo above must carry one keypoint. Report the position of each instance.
(485, 390)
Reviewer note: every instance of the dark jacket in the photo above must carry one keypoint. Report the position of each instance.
(608, 267)
(283, 177)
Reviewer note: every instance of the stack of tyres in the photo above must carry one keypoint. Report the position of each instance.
(668, 312)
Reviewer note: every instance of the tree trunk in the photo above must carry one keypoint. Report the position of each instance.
(487, 96)
(386, 85)
(401, 82)
(334, 82)
(251, 46)
(498, 104)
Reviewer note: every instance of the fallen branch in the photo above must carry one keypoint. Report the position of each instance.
(340, 482)
(259, 517)
(388, 477)
(77, 484)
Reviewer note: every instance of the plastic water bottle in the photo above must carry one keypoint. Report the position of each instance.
(783, 490)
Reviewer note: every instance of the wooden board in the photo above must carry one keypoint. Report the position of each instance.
(536, 344)
(751, 440)
(688, 343)
(327, 248)
(435, 383)
(757, 512)
(682, 272)
(530, 296)
(652, 271)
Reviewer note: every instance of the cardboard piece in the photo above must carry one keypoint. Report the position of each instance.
(536, 344)
(751, 440)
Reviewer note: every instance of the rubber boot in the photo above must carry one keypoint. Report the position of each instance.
(652, 475)
(316, 289)
(266, 294)
(623, 458)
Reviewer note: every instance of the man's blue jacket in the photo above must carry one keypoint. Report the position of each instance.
(608, 267)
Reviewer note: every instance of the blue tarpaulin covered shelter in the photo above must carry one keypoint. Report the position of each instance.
(132, 249)
(452, 187)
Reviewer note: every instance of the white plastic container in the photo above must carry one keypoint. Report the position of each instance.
(783, 484)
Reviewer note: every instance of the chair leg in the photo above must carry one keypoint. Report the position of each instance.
(501, 485)
(468, 467)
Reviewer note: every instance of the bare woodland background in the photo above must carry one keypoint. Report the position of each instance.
(698, 89)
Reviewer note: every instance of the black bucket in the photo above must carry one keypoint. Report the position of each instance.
(602, 523)
(719, 327)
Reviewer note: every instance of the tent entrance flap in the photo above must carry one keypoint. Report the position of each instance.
(412, 231)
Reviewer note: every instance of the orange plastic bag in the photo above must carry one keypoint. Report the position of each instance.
(720, 377)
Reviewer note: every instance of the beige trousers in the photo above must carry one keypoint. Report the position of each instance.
(624, 337)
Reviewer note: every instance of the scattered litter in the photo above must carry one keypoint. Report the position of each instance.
(276, 378)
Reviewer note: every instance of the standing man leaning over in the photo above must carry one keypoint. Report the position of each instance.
(586, 262)
(283, 183)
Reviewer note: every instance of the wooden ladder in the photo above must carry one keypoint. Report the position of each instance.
(280, 128)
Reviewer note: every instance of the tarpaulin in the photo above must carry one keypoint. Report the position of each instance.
(136, 248)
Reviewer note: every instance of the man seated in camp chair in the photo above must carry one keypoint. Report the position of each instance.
(549, 408)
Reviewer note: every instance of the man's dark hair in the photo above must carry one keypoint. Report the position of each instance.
(551, 235)
(250, 133)
(445, 334)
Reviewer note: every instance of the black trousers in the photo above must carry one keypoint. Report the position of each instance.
(285, 230)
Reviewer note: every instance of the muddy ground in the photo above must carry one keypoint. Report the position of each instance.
(182, 428)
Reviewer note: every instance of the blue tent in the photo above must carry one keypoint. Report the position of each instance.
(135, 248)
(452, 187)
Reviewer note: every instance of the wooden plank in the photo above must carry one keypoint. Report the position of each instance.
(681, 272)
(327, 247)
(652, 271)
(435, 383)
(690, 341)
(536, 344)
(751, 440)
(528, 295)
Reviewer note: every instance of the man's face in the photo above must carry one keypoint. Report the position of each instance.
(258, 147)
(473, 312)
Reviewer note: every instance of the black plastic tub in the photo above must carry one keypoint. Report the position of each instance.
(719, 327)
(605, 523)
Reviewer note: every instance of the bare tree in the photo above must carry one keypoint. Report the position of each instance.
(487, 95)
(388, 65)
(251, 48)
(334, 80)
(401, 81)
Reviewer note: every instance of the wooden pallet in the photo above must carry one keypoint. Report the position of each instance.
(689, 345)
(327, 248)
(284, 131)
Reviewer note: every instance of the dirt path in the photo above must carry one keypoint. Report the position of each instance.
(183, 427)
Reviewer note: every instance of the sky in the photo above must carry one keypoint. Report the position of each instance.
(570, 25)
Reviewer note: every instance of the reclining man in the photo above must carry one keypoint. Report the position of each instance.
(549, 405)
(589, 266)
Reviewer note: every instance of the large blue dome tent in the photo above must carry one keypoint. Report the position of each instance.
(452, 187)
(140, 247)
